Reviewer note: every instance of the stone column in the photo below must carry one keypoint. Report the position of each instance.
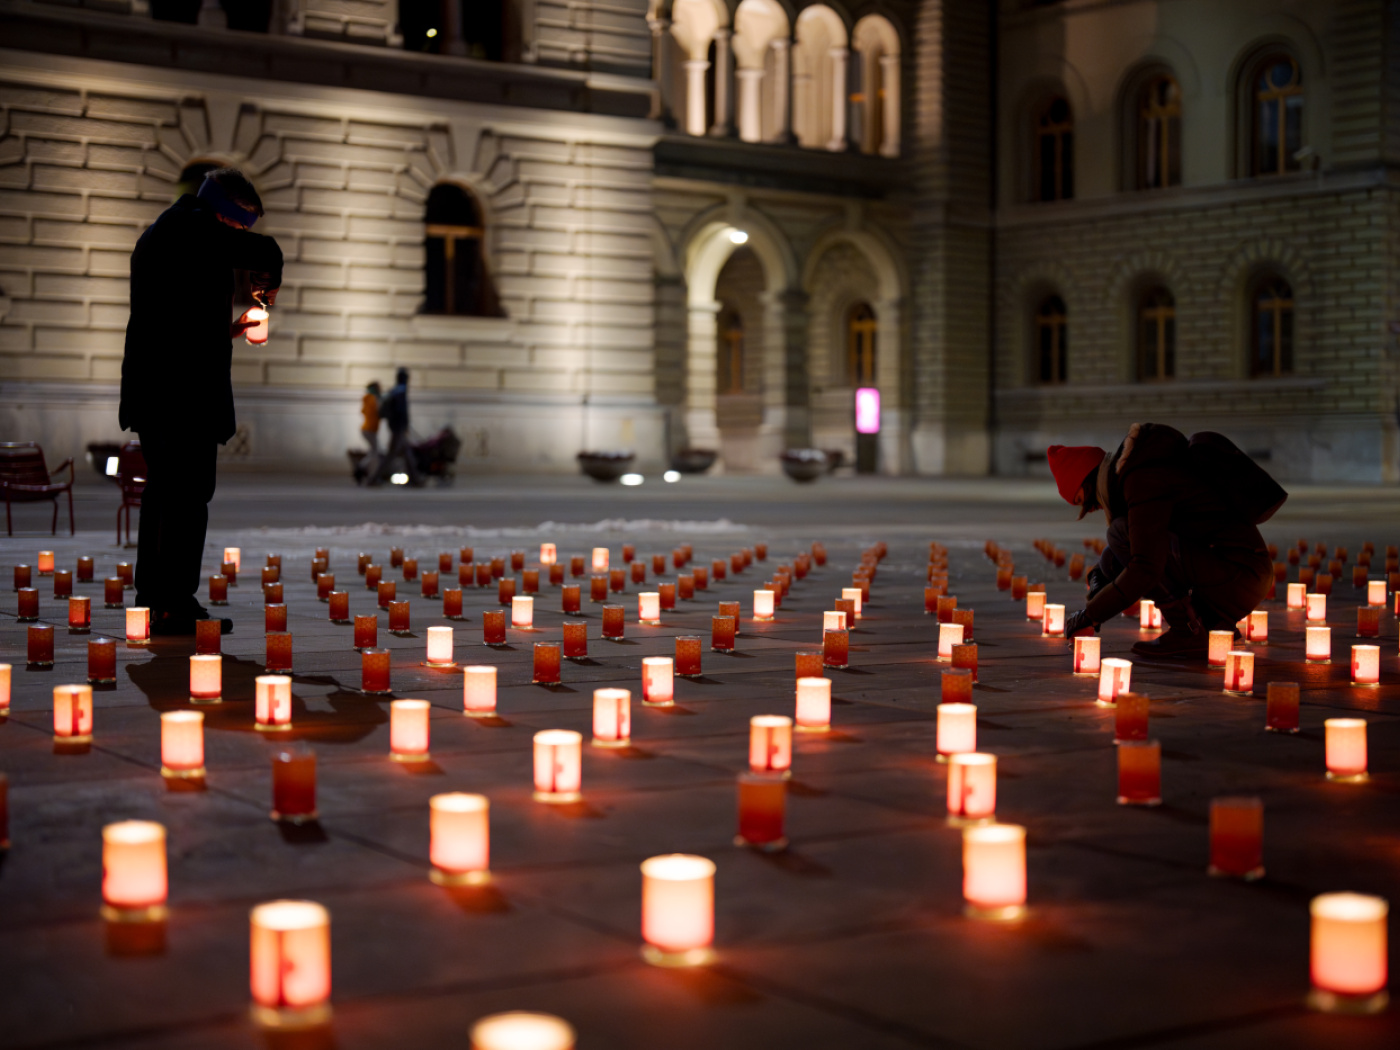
(750, 109)
(837, 142)
(787, 417)
(695, 95)
(724, 64)
(661, 101)
(782, 89)
(701, 354)
(889, 84)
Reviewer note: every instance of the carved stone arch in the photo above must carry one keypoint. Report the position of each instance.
(1131, 271)
(704, 252)
(1018, 299)
(1238, 275)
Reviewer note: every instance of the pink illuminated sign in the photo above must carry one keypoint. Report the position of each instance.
(867, 410)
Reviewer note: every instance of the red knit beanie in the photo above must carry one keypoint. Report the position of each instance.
(1071, 464)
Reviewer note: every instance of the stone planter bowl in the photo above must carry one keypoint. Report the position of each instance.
(606, 466)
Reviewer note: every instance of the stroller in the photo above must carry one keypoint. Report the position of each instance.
(435, 457)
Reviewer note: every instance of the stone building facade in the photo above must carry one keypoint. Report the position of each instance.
(704, 223)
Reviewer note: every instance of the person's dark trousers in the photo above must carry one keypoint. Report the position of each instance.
(1222, 583)
(181, 474)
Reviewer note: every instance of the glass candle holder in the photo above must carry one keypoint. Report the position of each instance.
(319, 567)
(658, 564)
(445, 562)
(279, 653)
(770, 744)
(1053, 623)
(439, 652)
(736, 563)
(229, 571)
(452, 604)
(718, 569)
(679, 557)
(1346, 749)
(722, 633)
(598, 588)
(639, 572)
(649, 608)
(612, 717)
(1130, 717)
(835, 620)
(366, 632)
(1365, 665)
(410, 568)
(274, 618)
(102, 662)
(1349, 953)
(667, 594)
(409, 729)
(493, 626)
(762, 605)
(208, 636)
(569, 601)
(517, 561)
(272, 703)
(1323, 583)
(530, 581)
(687, 658)
(956, 729)
(678, 910)
(1237, 837)
(945, 606)
(522, 612)
(1140, 773)
(62, 583)
(206, 678)
(270, 574)
(813, 713)
(575, 639)
(1281, 711)
(549, 554)
(113, 592)
(1375, 592)
(685, 587)
(732, 609)
(956, 686)
(479, 691)
(963, 619)
(1115, 677)
(79, 614)
(1018, 588)
(701, 576)
(395, 557)
(483, 575)
(28, 598)
(1297, 596)
(1319, 644)
(1035, 605)
(182, 745)
(965, 658)
(836, 647)
(972, 788)
(459, 828)
(429, 587)
(658, 681)
(5, 693)
(614, 621)
(762, 809)
(325, 584)
(39, 637)
(22, 577)
(1256, 627)
(294, 785)
(1003, 579)
(1317, 608)
(84, 569)
(218, 590)
(546, 668)
(72, 714)
(134, 883)
(290, 976)
(600, 559)
(576, 565)
(138, 625)
(558, 765)
(374, 576)
(931, 596)
(374, 672)
(387, 591)
(1239, 672)
(127, 572)
(949, 635)
(1219, 644)
(1368, 621)
(1086, 654)
(521, 1030)
(994, 871)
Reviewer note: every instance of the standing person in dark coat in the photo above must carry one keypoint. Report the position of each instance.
(394, 411)
(177, 393)
(1181, 532)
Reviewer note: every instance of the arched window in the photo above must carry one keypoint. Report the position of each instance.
(861, 332)
(1271, 327)
(1159, 134)
(1051, 328)
(730, 378)
(1156, 341)
(1054, 152)
(456, 280)
(1277, 115)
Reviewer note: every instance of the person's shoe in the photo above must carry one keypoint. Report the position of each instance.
(171, 625)
(1175, 643)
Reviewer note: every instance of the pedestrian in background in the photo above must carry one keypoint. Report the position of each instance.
(394, 409)
(369, 430)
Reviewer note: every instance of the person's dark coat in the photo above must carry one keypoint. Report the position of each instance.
(175, 375)
(1150, 481)
(393, 409)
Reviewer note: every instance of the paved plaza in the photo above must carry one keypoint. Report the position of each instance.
(853, 937)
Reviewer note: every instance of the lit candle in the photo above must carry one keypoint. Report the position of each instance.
(5, 670)
(1086, 654)
(279, 653)
(949, 635)
(1365, 665)
(517, 561)
(294, 785)
(1281, 711)
(972, 788)
(833, 621)
(649, 608)
(1349, 950)
(28, 599)
(1239, 672)
(519, 1030)
(598, 588)
(1237, 837)
(1018, 588)
(1145, 608)
(1319, 644)
(440, 647)
(291, 964)
(614, 621)
(79, 614)
(1368, 621)
(667, 594)
(546, 666)
(1375, 592)
(206, 678)
(687, 659)
(848, 609)
(1317, 608)
(134, 881)
(366, 632)
(994, 871)
(658, 682)
(452, 604)
(549, 554)
(965, 658)
(836, 648)
(479, 691)
(409, 730)
(963, 618)
(770, 744)
(271, 574)
(388, 590)
(62, 583)
(1035, 605)
(113, 592)
(102, 661)
(1297, 595)
(39, 637)
(529, 581)
(639, 572)
(678, 909)
(569, 600)
(234, 555)
(84, 569)
(46, 563)
(944, 607)
(617, 581)
(256, 335)
(182, 745)
(522, 612)
(72, 714)
(459, 828)
(722, 633)
(127, 572)
(207, 636)
(493, 627)
(612, 717)
(272, 707)
(856, 596)
(274, 618)
(600, 559)
(410, 569)
(1219, 643)
(374, 672)
(957, 729)
(558, 765)
(1115, 676)
(1346, 749)
(1139, 773)
(1053, 625)
(138, 625)
(813, 705)
(1257, 626)
(762, 806)
(1130, 714)
(483, 574)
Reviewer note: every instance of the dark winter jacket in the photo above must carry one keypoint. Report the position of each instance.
(175, 375)
(394, 408)
(1150, 480)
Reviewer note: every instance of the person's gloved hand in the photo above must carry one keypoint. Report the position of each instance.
(1096, 581)
(1078, 622)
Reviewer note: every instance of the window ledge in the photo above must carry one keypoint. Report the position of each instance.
(1155, 388)
(452, 326)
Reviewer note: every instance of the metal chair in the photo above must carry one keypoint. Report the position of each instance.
(26, 478)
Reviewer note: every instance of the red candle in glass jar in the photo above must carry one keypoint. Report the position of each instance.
(271, 574)
(687, 660)
(274, 618)
(445, 562)
(373, 575)
(556, 574)
(1018, 588)
(325, 583)
(835, 648)
(847, 606)
(598, 589)
(546, 671)
(1281, 707)
(452, 604)
(1237, 837)
(931, 596)
(809, 664)
(736, 563)
(1130, 717)
(614, 619)
(399, 618)
(667, 591)
(963, 618)
(717, 569)
(40, 650)
(374, 671)
(410, 569)
(466, 555)
(639, 572)
(575, 639)
(505, 590)
(701, 576)
(22, 576)
(62, 583)
(294, 785)
(102, 661)
(722, 633)
(946, 605)
(395, 557)
(956, 686)
(1139, 773)
(731, 609)
(319, 566)
(362, 562)
(1368, 621)
(339, 606)
(279, 653)
(569, 598)
(229, 570)
(762, 806)
(84, 569)
(272, 593)
(964, 656)
(79, 614)
(517, 561)
(113, 592)
(576, 565)
(127, 572)
(530, 581)
(617, 580)
(685, 587)
(366, 632)
(629, 552)
(218, 590)
(387, 591)
(493, 626)
(429, 586)
(658, 564)
(483, 575)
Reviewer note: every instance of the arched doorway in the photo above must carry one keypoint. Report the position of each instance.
(739, 290)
